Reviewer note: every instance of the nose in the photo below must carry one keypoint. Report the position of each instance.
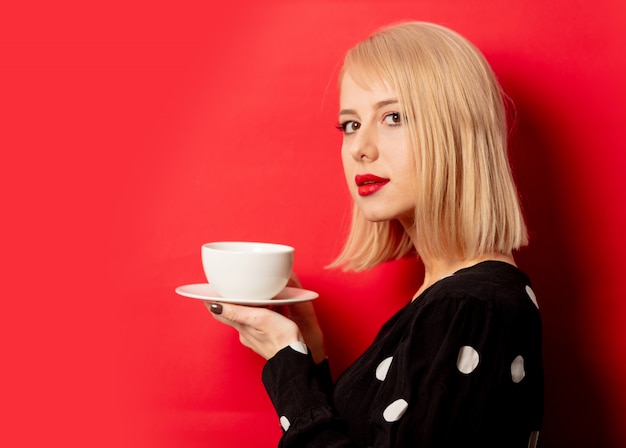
(365, 144)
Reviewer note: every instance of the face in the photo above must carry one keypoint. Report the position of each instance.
(377, 160)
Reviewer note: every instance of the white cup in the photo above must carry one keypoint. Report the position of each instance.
(247, 270)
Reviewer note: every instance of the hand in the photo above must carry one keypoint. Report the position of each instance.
(264, 331)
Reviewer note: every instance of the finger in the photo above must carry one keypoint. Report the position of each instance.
(214, 307)
(242, 315)
(243, 330)
(216, 310)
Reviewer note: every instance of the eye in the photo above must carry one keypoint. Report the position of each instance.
(349, 127)
(393, 119)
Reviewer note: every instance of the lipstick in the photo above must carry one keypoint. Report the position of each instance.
(368, 184)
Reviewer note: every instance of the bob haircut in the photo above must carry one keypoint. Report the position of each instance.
(454, 115)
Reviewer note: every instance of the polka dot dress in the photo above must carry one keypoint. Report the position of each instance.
(459, 366)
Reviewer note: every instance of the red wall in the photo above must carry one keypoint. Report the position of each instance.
(133, 132)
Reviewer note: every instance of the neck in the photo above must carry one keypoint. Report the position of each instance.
(437, 267)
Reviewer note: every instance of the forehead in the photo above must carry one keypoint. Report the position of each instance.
(355, 90)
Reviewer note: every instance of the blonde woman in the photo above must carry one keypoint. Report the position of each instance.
(425, 157)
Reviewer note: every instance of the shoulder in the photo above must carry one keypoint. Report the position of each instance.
(487, 308)
(487, 284)
(490, 297)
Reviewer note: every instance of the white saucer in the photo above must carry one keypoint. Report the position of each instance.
(205, 291)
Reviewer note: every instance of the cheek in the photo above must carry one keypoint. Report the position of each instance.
(349, 171)
(346, 161)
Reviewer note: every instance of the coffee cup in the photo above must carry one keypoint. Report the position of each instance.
(247, 270)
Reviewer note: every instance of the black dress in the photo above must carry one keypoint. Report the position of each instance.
(460, 366)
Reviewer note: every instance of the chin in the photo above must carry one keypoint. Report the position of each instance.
(376, 216)
(375, 209)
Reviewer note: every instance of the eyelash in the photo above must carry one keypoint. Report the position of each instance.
(344, 125)
(394, 114)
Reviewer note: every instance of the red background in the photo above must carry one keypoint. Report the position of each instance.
(132, 132)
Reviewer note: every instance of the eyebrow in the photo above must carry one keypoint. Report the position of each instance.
(378, 105)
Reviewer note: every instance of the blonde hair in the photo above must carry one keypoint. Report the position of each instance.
(453, 112)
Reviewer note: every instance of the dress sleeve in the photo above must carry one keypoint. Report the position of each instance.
(300, 391)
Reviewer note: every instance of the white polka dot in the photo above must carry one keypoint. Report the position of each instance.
(467, 360)
(299, 347)
(532, 441)
(532, 296)
(395, 410)
(284, 423)
(383, 368)
(517, 369)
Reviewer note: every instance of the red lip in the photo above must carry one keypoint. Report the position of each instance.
(369, 184)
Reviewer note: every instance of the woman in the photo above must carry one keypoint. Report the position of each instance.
(424, 153)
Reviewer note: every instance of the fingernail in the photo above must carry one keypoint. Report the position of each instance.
(216, 308)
